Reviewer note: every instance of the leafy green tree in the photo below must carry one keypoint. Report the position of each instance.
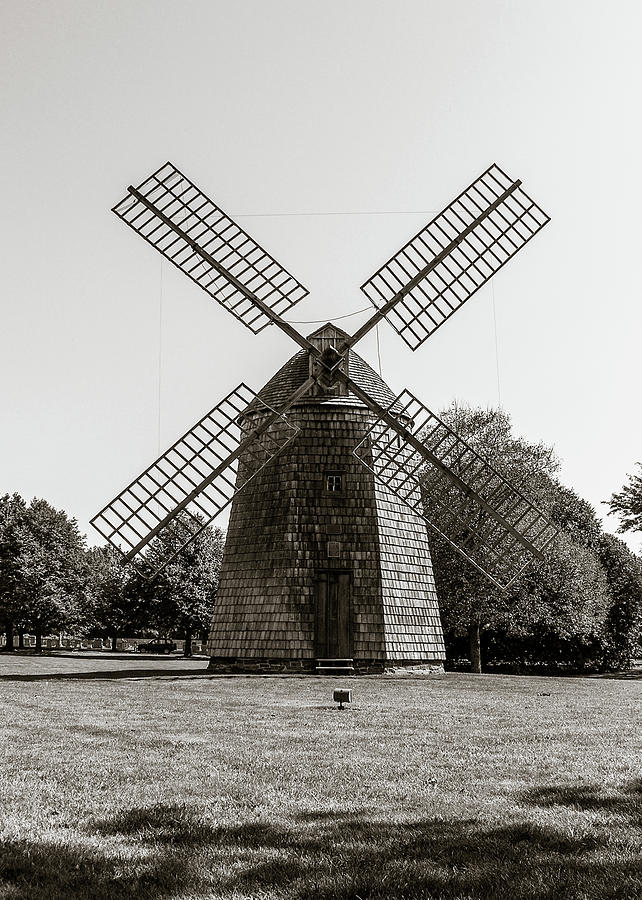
(628, 504)
(180, 598)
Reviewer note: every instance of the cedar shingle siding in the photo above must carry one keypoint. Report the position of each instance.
(287, 529)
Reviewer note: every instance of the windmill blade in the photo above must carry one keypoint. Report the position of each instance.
(450, 259)
(460, 495)
(176, 497)
(193, 233)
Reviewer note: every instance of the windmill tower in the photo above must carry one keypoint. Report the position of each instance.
(325, 567)
(332, 478)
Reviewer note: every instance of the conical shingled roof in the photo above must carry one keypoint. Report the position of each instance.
(290, 376)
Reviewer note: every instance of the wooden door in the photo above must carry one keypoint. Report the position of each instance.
(333, 639)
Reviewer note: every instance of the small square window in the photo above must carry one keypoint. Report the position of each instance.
(333, 482)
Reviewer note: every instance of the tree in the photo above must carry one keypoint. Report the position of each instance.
(12, 516)
(628, 504)
(111, 608)
(51, 570)
(469, 603)
(574, 515)
(580, 606)
(624, 624)
(559, 608)
(181, 597)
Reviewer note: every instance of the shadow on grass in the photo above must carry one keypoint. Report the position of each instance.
(193, 673)
(109, 675)
(626, 803)
(631, 675)
(51, 870)
(168, 850)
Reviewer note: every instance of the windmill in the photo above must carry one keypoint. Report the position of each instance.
(316, 571)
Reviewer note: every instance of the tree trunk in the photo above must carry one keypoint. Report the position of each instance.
(38, 641)
(188, 644)
(21, 639)
(114, 643)
(9, 637)
(474, 636)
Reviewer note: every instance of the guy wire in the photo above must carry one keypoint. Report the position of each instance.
(160, 350)
(499, 393)
(323, 321)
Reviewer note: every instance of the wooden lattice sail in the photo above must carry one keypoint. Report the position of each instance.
(327, 551)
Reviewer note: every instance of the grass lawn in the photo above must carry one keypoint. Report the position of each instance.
(133, 777)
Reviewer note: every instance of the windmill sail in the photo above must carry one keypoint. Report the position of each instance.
(463, 498)
(176, 497)
(450, 259)
(192, 232)
(436, 473)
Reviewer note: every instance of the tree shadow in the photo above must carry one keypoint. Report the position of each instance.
(630, 675)
(192, 673)
(627, 802)
(167, 850)
(107, 675)
(167, 824)
(50, 870)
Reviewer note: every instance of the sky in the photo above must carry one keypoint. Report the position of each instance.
(332, 131)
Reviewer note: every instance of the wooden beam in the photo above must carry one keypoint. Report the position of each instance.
(385, 309)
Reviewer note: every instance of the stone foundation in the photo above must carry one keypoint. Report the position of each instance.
(229, 665)
(255, 665)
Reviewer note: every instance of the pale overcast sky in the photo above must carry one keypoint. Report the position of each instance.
(331, 131)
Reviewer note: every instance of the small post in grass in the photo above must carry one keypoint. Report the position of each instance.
(341, 696)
